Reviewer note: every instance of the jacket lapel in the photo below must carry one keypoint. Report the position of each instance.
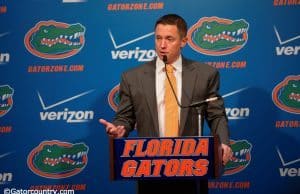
(188, 82)
(148, 83)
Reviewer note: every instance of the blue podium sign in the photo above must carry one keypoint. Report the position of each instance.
(165, 158)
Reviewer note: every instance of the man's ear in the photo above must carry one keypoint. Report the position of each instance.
(183, 42)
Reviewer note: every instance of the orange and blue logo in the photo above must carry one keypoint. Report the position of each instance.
(56, 159)
(218, 36)
(241, 156)
(286, 94)
(6, 99)
(114, 98)
(55, 40)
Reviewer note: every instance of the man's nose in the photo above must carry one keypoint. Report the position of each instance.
(163, 44)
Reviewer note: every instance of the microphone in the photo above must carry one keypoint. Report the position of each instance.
(165, 59)
(194, 104)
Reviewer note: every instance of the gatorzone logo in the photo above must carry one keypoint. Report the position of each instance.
(6, 99)
(286, 95)
(55, 40)
(56, 159)
(241, 157)
(218, 36)
(114, 98)
(286, 3)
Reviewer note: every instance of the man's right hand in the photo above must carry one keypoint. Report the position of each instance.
(112, 130)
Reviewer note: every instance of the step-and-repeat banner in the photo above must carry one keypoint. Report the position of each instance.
(61, 61)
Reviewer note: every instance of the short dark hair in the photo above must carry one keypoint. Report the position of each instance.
(173, 19)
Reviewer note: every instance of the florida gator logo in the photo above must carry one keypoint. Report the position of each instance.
(55, 40)
(286, 95)
(6, 100)
(241, 157)
(56, 159)
(114, 98)
(218, 36)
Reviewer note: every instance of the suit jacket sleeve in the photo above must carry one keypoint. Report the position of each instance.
(215, 112)
(125, 114)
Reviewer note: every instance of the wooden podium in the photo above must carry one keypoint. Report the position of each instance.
(165, 158)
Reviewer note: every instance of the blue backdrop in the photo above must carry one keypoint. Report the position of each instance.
(61, 61)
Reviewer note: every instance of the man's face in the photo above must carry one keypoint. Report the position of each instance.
(168, 42)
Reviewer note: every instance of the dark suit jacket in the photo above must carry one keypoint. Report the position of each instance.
(138, 106)
(138, 100)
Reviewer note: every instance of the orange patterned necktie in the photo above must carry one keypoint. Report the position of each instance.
(171, 107)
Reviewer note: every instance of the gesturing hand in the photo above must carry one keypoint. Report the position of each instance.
(227, 153)
(112, 130)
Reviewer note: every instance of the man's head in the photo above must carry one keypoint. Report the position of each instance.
(170, 36)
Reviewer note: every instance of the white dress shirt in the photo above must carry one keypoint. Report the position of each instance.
(160, 76)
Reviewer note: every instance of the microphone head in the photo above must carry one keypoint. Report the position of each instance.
(165, 58)
(212, 99)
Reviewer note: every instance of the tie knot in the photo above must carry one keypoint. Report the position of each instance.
(169, 68)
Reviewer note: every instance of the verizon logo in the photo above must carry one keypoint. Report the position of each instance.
(237, 113)
(70, 116)
(285, 171)
(4, 58)
(286, 50)
(137, 53)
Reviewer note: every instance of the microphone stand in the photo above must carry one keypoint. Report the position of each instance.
(199, 112)
(199, 107)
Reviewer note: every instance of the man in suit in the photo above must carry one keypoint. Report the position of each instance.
(142, 102)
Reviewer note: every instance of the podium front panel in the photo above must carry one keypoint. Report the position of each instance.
(165, 158)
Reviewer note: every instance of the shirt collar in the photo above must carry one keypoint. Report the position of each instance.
(160, 65)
